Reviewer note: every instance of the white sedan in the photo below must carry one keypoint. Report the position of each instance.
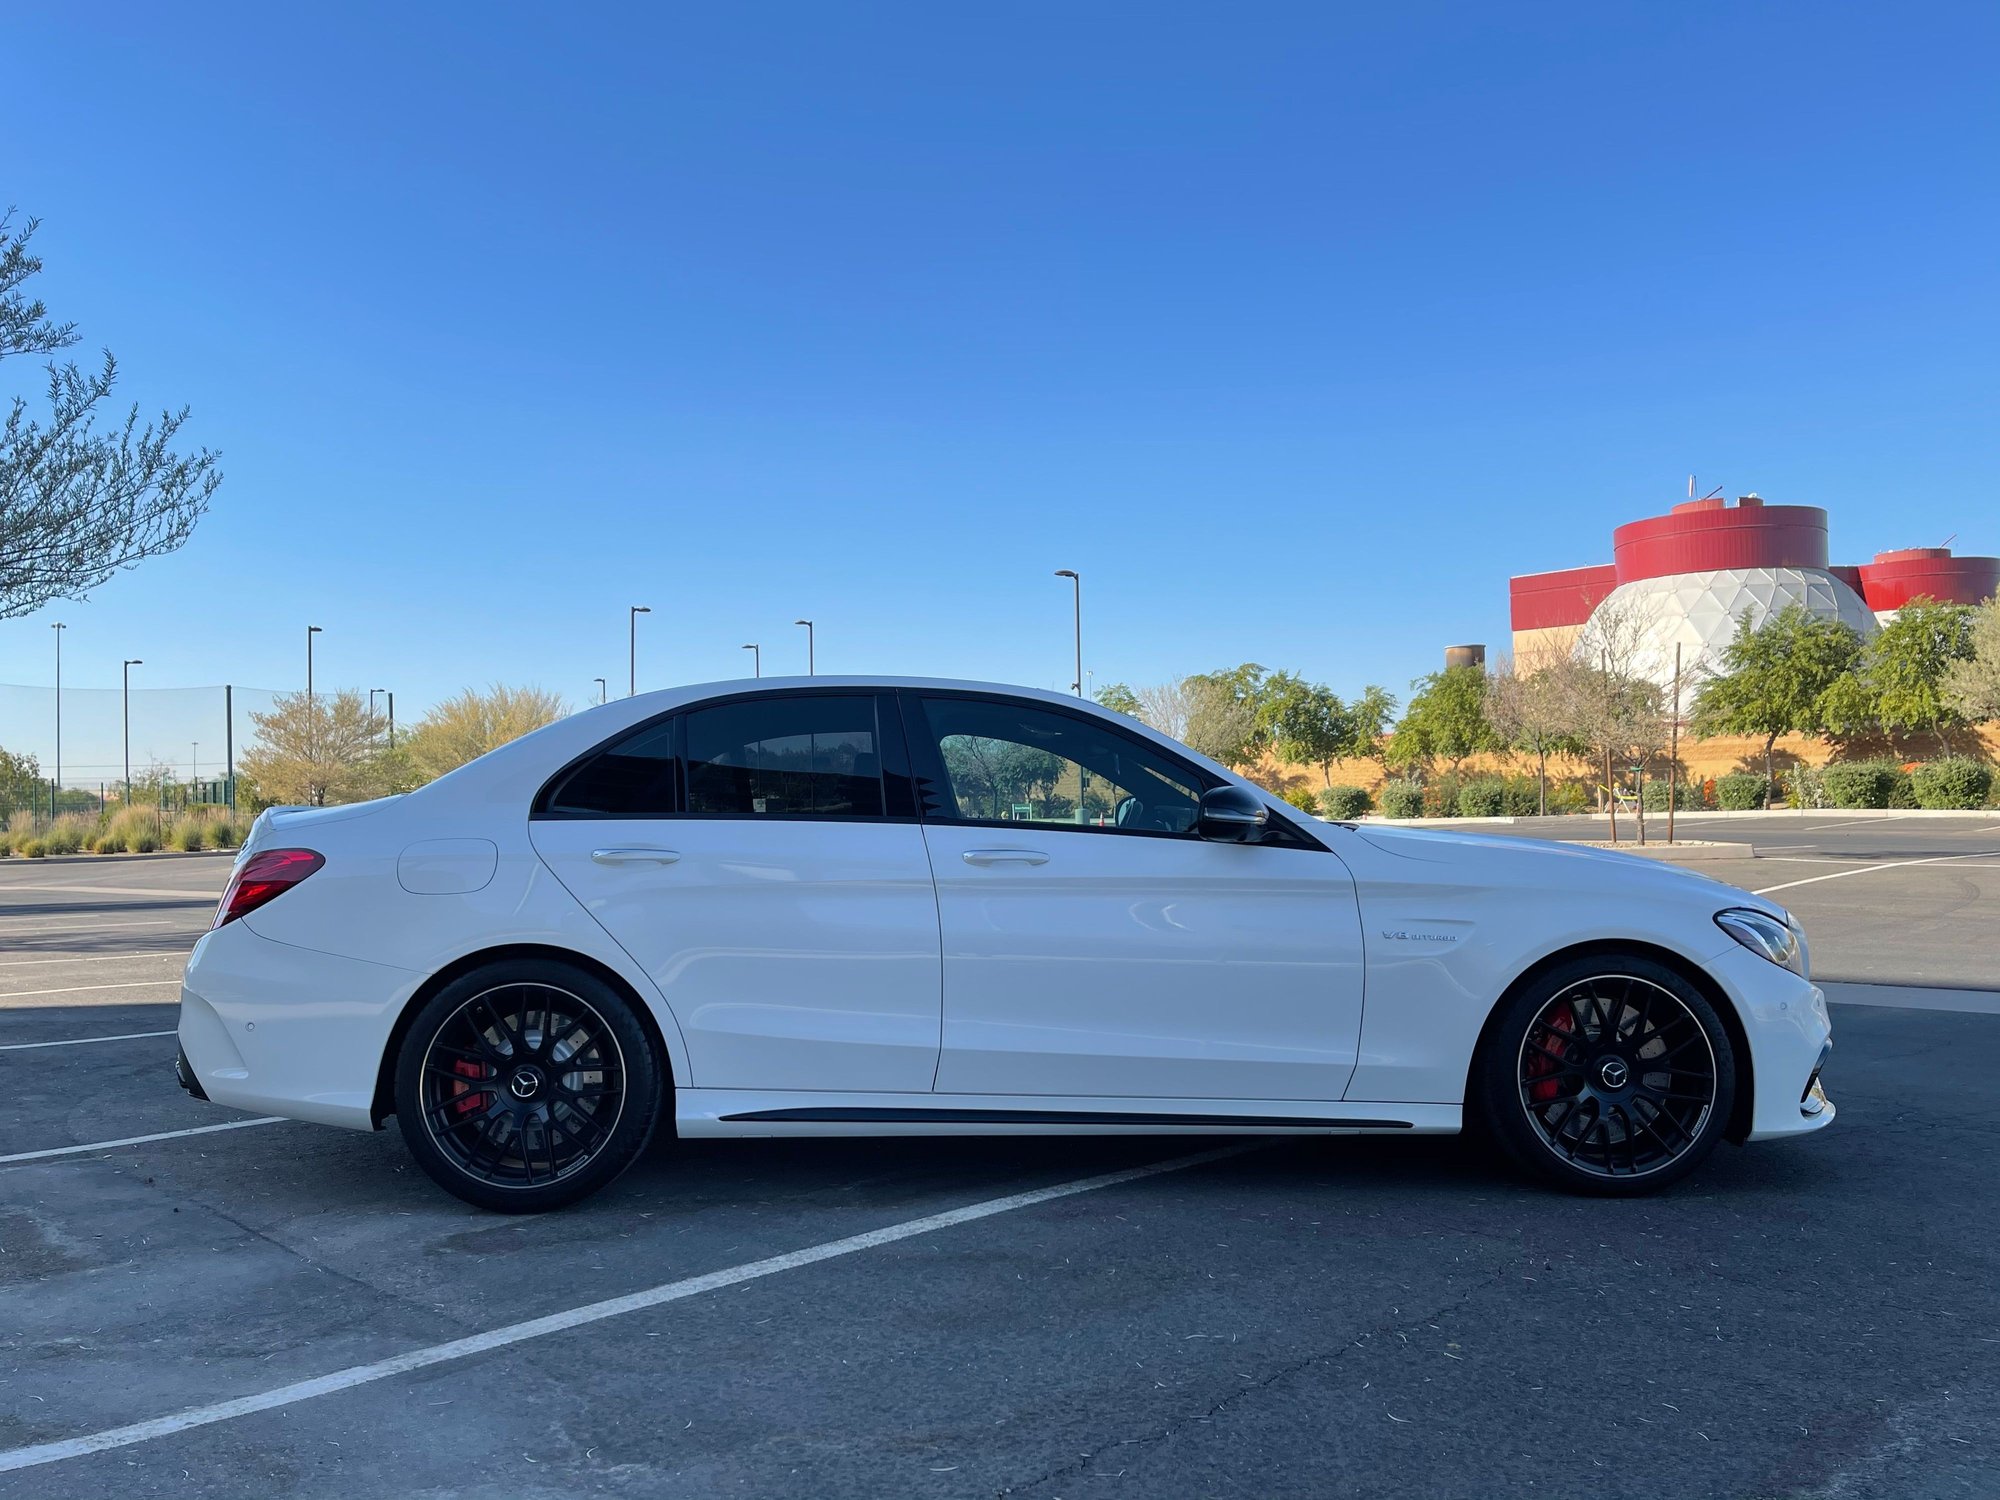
(844, 906)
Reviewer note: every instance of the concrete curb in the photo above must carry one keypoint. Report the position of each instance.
(117, 859)
(1779, 814)
(1681, 851)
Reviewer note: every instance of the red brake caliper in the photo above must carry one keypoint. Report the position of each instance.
(1540, 1063)
(465, 1098)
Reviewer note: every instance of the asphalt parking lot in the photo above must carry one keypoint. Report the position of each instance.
(276, 1309)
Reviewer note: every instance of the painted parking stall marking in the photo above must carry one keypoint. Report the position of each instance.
(136, 1140)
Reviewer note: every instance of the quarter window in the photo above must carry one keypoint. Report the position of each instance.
(771, 757)
(631, 778)
(1010, 763)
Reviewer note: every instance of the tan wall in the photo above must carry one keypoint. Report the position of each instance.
(1547, 644)
(1700, 759)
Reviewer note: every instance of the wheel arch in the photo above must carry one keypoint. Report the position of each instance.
(384, 1102)
(1740, 1114)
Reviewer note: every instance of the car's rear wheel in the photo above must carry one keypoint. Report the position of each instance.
(1609, 1074)
(526, 1085)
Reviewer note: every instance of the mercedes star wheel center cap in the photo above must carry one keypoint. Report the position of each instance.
(1612, 1072)
(525, 1083)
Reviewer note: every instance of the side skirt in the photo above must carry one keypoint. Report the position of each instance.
(755, 1112)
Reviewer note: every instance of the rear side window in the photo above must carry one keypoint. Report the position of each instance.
(635, 777)
(796, 756)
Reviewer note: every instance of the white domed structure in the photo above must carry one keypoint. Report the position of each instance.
(1639, 624)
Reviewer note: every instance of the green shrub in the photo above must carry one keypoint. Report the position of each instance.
(1402, 799)
(1343, 802)
(1655, 796)
(1484, 798)
(1803, 786)
(32, 848)
(67, 833)
(189, 835)
(1567, 798)
(1860, 783)
(224, 833)
(1741, 792)
(1953, 781)
(144, 841)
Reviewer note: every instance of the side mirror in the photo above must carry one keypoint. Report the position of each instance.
(1231, 815)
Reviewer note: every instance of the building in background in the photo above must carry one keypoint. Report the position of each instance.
(1685, 578)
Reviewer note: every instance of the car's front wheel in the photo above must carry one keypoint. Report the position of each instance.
(526, 1085)
(1608, 1074)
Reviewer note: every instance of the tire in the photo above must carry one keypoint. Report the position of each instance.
(1610, 1075)
(527, 1085)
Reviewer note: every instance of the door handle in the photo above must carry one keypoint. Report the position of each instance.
(1005, 857)
(634, 856)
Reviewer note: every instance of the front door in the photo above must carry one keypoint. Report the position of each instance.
(744, 854)
(1095, 945)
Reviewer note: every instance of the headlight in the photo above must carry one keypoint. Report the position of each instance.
(1764, 935)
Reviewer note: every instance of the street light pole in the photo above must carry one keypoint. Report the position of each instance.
(311, 631)
(602, 692)
(58, 627)
(1076, 581)
(632, 657)
(756, 658)
(134, 662)
(809, 644)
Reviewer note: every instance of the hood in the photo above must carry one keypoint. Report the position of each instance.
(1539, 861)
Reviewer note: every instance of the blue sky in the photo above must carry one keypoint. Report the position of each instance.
(1297, 329)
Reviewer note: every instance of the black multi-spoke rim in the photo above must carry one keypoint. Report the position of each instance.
(523, 1085)
(1618, 1076)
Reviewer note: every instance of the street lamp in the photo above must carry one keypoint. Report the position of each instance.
(602, 692)
(1077, 581)
(311, 631)
(632, 659)
(134, 662)
(756, 658)
(809, 644)
(58, 628)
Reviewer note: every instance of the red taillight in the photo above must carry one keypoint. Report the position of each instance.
(268, 873)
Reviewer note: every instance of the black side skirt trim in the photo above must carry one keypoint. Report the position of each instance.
(945, 1116)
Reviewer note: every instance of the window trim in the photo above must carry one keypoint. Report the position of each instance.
(927, 763)
(892, 773)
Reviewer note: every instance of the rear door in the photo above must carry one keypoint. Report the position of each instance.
(760, 857)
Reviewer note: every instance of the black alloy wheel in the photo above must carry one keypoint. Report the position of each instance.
(1608, 1075)
(526, 1086)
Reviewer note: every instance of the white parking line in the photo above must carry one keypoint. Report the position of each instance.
(81, 1041)
(1899, 864)
(40, 924)
(78, 989)
(137, 1140)
(576, 1317)
(95, 958)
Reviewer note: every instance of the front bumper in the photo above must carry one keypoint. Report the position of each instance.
(1791, 1037)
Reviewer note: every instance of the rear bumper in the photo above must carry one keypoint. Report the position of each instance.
(279, 1030)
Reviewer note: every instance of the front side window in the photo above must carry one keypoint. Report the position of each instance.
(1012, 763)
(796, 756)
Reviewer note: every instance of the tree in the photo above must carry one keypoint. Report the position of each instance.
(1798, 673)
(318, 750)
(1367, 720)
(78, 504)
(21, 783)
(1120, 699)
(1308, 724)
(1536, 707)
(465, 727)
(1446, 720)
(1907, 663)
(1972, 685)
(1225, 716)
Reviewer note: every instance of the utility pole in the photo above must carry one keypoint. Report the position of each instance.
(58, 628)
(809, 644)
(1077, 581)
(129, 665)
(632, 657)
(1674, 737)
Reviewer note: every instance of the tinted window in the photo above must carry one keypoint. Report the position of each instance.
(1010, 763)
(777, 756)
(630, 778)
